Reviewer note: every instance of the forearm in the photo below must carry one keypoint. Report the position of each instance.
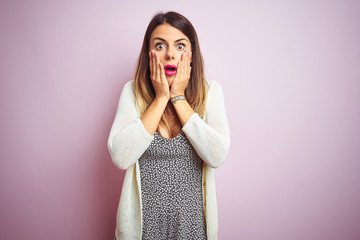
(128, 138)
(152, 115)
(211, 142)
(128, 144)
(210, 135)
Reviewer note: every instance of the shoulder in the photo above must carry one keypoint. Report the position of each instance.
(215, 97)
(129, 85)
(127, 93)
(214, 88)
(128, 88)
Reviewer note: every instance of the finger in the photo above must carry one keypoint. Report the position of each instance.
(180, 71)
(183, 56)
(162, 73)
(189, 58)
(179, 67)
(183, 64)
(158, 69)
(187, 61)
(188, 67)
(154, 65)
(151, 65)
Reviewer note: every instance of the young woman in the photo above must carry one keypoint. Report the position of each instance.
(170, 133)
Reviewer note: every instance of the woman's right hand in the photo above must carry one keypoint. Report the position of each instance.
(157, 76)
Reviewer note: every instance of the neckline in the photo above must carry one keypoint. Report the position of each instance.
(181, 133)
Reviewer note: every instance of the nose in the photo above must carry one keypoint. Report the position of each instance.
(170, 54)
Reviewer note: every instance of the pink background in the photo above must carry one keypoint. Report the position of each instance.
(290, 72)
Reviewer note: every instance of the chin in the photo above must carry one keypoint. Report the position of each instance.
(170, 80)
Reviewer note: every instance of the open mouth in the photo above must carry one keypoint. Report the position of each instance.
(170, 69)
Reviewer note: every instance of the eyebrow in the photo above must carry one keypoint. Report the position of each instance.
(165, 40)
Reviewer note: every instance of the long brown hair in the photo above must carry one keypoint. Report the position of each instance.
(196, 90)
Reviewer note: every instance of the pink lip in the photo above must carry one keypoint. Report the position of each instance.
(170, 72)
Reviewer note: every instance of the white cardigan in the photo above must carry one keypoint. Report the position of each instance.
(129, 139)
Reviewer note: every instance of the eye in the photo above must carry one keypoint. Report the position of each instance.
(159, 46)
(181, 46)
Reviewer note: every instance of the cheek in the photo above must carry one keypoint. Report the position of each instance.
(179, 55)
(160, 54)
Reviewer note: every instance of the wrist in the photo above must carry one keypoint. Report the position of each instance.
(161, 99)
(177, 98)
(176, 94)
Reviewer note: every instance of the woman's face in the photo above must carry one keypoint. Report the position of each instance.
(169, 43)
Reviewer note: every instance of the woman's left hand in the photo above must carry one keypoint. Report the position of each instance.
(182, 76)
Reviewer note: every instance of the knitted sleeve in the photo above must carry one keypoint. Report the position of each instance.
(128, 138)
(210, 138)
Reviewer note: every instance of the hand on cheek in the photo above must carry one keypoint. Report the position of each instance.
(182, 76)
(157, 76)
